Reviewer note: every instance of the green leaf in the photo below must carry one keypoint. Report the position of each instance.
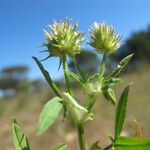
(121, 66)
(121, 111)
(95, 146)
(130, 143)
(110, 95)
(111, 81)
(47, 77)
(19, 138)
(49, 114)
(59, 147)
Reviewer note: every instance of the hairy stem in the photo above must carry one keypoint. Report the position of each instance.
(81, 138)
(80, 128)
(66, 74)
(103, 65)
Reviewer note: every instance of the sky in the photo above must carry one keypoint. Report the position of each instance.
(22, 23)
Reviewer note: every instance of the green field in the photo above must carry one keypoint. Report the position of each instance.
(26, 108)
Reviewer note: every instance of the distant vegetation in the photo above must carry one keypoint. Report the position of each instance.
(14, 79)
(139, 44)
(88, 61)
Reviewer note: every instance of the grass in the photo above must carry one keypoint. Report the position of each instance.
(26, 108)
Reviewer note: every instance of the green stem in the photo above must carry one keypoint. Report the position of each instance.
(81, 137)
(92, 99)
(66, 74)
(103, 65)
(80, 128)
(82, 74)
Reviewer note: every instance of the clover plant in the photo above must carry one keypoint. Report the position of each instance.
(63, 40)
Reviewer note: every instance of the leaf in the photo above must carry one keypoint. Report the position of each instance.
(131, 143)
(111, 81)
(110, 95)
(95, 146)
(19, 138)
(59, 147)
(49, 114)
(121, 66)
(47, 77)
(121, 111)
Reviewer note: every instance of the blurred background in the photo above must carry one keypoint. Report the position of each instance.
(23, 90)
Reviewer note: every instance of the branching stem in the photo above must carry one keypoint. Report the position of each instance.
(80, 128)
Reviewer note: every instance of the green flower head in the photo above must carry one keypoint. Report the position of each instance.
(63, 38)
(103, 38)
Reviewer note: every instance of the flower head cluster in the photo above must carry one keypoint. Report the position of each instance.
(63, 38)
(103, 38)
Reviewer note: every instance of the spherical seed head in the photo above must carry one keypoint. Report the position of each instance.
(63, 38)
(103, 38)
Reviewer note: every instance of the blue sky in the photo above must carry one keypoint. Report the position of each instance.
(22, 23)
